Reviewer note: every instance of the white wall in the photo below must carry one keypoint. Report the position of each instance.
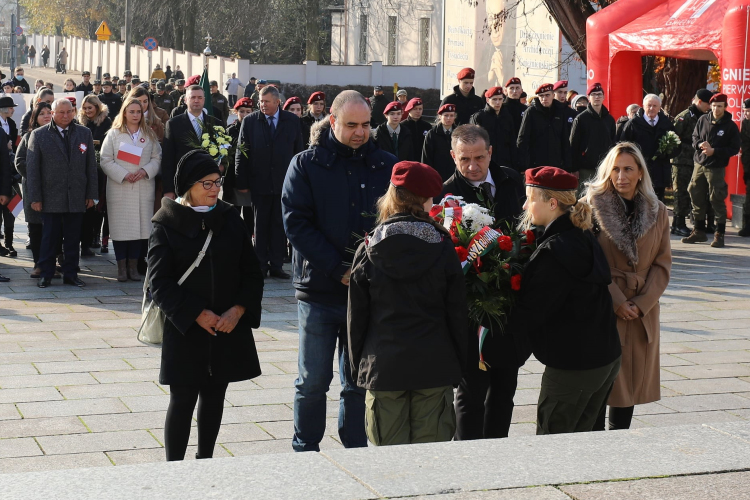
(84, 55)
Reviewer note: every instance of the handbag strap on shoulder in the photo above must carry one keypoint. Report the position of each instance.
(198, 259)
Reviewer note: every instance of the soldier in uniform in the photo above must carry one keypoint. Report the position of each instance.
(516, 108)
(412, 119)
(219, 102)
(85, 86)
(402, 97)
(544, 139)
(152, 86)
(498, 123)
(110, 99)
(715, 140)
(128, 76)
(464, 97)
(316, 111)
(122, 88)
(560, 89)
(97, 87)
(162, 99)
(106, 77)
(392, 137)
(256, 94)
(682, 164)
(378, 102)
(591, 136)
(178, 92)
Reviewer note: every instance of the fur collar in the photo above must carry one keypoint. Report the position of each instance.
(611, 218)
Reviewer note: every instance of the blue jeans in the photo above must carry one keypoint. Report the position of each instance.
(320, 326)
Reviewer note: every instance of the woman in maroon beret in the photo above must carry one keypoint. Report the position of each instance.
(578, 344)
(407, 315)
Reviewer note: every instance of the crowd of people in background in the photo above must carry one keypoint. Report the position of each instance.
(126, 165)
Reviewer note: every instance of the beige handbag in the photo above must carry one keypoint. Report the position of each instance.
(153, 318)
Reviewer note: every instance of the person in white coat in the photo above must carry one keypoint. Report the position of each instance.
(131, 157)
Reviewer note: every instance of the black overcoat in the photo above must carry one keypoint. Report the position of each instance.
(405, 152)
(500, 128)
(229, 275)
(647, 138)
(436, 152)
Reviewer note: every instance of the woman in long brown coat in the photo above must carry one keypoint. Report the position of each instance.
(632, 227)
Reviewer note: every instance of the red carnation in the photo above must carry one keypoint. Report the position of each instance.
(515, 282)
(462, 253)
(505, 243)
(506, 266)
(530, 237)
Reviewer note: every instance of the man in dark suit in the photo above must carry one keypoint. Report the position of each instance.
(62, 185)
(182, 135)
(268, 140)
(484, 401)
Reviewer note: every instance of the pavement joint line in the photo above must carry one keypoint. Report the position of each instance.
(36, 440)
(155, 438)
(226, 449)
(352, 475)
(106, 454)
(709, 426)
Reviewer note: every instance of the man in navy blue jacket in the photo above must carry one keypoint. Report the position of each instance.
(268, 140)
(328, 202)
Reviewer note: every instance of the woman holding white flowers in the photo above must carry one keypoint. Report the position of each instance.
(130, 156)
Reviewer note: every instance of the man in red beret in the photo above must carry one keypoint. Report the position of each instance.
(498, 123)
(316, 111)
(716, 139)
(591, 136)
(484, 401)
(464, 97)
(392, 137)
(560, 88)
(418, 127)
(544, 136)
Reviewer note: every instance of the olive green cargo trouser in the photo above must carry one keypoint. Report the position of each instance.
(709, 181)
(403, 417)
(681, 176)
(570, 400)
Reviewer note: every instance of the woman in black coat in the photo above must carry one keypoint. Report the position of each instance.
(564, 308)
(407, 318)
(436, 151)
(94, 115)
(208, 338)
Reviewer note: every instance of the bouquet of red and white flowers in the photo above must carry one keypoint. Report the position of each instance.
(492, 259)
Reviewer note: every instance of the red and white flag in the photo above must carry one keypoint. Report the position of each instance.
(16, 205)
(129, 153)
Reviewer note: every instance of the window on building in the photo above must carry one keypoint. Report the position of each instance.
(424, 41)
(392, 24)
(363, 38)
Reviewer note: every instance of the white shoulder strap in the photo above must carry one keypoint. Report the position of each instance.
(198, 259)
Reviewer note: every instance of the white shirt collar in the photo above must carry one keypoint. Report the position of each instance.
(60, 129)
(487, 179)
(396, 131)
(656, 120)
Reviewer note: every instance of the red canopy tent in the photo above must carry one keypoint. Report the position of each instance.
(620, 34)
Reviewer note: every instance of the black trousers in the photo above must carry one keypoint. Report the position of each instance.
(35, 240)
(182, 399)
(270, 240)
(9, 220)
(619, 418)
(90, 218)
(56, 226)
(248, 215)
(484, 400)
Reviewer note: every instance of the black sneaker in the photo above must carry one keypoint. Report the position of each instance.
(11, 251)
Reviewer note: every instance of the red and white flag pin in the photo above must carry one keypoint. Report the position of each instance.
(16, 205)
(129, 153)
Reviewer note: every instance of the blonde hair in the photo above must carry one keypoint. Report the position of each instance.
(399, 200)
(120, 122)
(186, 199)
(602, 181)
(94, 101)
(579, 210)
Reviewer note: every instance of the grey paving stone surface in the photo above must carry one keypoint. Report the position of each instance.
(541, 460)
(70, 365)
(538, 493)
(730, 486)
(276, 477)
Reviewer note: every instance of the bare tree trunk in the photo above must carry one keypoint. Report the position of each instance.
(188, 41)
(312, 42)
(679, 80)
(177, 23)
(571, 17)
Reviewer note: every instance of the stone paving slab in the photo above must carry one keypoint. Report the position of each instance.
(731, 486)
